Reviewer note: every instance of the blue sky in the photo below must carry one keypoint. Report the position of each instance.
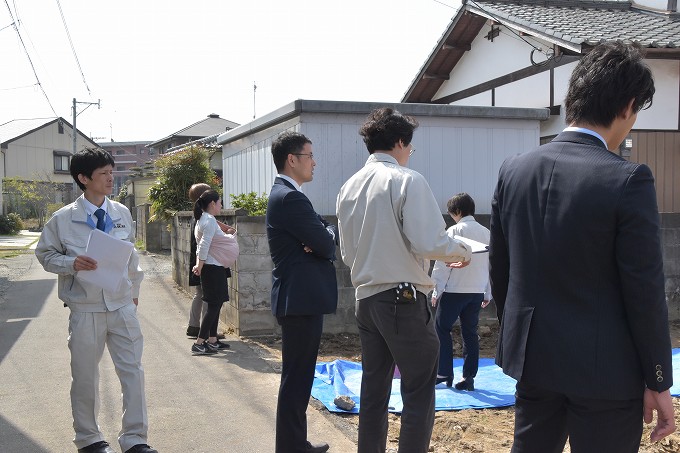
(158, 66)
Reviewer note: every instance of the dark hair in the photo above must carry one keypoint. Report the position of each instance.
(604, 82)
(461, 204)
(384, 127)
(86, 161)
(203, 201)
(196, 190)
(285, 144)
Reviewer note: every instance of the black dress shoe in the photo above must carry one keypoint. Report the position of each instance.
(466, 384)
(141, 448)
(97, 447)
(192, 332)
(317, 448)
(447, 379)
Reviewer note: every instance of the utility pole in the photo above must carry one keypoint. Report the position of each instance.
(254, 88)
(75, 114)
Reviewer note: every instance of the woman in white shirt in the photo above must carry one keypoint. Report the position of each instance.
(213, 274)
(461, 293)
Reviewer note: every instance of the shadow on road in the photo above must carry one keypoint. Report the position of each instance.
(17, 310)
(13, 439)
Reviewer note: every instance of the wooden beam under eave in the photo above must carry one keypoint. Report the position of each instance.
(436, 76)
(457, 46)
(503, 80)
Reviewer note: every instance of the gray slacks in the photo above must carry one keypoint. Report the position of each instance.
(119, 330)
(197, 306)
(405, 335)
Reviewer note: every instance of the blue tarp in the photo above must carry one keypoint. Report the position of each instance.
(492, 387)
(675, 390)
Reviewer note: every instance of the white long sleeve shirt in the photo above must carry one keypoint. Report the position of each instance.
(205, 229)
(474, 278)
(390, 226)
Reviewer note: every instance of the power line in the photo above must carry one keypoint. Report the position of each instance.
(63, 19)
(14, 24)
(18, 88)
(442, 3)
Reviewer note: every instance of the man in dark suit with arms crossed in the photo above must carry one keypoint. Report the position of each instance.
(577, 272)
(304, 288)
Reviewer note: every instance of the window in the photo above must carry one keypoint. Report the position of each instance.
(120, 168)
(119, 152)
(61, 161)
(60, 127)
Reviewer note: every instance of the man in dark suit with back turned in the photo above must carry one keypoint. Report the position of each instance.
(577, 273)
(302, 246)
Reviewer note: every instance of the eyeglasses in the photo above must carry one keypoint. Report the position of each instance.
(310, 155)
(413, 150)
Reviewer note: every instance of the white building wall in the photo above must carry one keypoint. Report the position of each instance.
(488, 60)
(663, 114)
(660, 5)
(247, 164)
(479, 100)
(465, 154)
(455, 155)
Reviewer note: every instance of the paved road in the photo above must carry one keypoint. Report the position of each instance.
(20, 241)
(223, 403)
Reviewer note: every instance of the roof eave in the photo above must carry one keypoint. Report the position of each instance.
(437, 48)
(572, 46)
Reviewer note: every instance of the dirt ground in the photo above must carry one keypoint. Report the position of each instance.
(469, 430)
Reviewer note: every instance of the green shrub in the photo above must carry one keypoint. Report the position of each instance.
(11, 223)
(250, 202)
(177, 172)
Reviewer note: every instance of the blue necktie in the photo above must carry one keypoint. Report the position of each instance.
(100, 214)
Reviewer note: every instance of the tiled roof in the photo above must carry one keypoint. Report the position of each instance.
(213, 124)
(585, 22)
(573, 25)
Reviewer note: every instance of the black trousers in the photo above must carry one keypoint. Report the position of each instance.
(544, 420)
(215, 292)
(403, 335)
(300, 339)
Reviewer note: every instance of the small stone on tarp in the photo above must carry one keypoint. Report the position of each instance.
(344, 402)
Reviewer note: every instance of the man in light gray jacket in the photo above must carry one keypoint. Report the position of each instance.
(390, 227)
(99, 317)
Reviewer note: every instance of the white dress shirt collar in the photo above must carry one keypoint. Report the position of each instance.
(290, 180)
(583, 130)
(90, 208)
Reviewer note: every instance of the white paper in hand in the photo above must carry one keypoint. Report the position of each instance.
(477, 247)
(112, 256)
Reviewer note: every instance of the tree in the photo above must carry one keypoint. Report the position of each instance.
(177, 172)
(147, 170)
(34, 195)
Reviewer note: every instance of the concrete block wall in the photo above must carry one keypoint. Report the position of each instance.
(248, 311)
(154, 235)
